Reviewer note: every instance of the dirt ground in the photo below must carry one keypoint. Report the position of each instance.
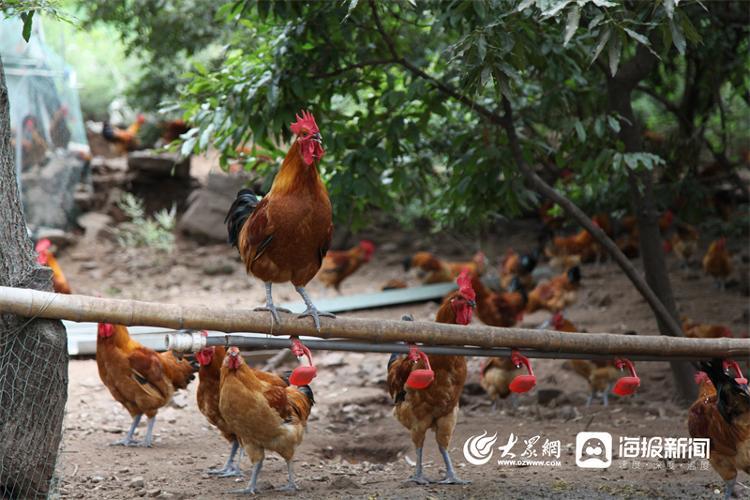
(353, 446)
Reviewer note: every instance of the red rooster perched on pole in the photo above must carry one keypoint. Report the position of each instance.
(285, 236)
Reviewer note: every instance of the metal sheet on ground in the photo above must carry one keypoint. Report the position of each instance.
(346, 303)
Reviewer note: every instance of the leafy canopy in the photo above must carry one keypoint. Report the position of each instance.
(408, 94)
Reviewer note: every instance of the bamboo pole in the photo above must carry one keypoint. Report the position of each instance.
(33, 303)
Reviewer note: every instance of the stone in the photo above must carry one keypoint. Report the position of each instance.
(137, 482)
(152, 164)
(208, 206)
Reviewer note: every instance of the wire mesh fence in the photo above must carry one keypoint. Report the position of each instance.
(33, 393)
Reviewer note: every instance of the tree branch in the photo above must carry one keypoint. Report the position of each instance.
(345, 69)
(580, 217)
(446, 89)
(629, 74)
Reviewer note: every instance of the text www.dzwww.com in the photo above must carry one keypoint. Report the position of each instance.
(526, 463)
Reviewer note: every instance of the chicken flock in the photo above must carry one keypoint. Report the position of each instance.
(285, 237)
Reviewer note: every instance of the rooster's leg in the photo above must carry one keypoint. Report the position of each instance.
(311, 309)
(590, 399)
(729, 485)
(128, 439)
(450, 473)
(418, 476)
(291, 485)
(269, 305)
(149, 439)
(605, 396)
(252, 488)
(231, 468)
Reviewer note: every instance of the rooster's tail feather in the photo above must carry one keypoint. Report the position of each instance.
(239, 212)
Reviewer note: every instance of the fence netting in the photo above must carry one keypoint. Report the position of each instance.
(33, 393)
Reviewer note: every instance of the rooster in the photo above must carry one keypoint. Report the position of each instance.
(684, 243)
(704, 331)
(600, 375)
(431, 269)
(718, 262)
(339, 265)
(124, 140)
(555, 294)
(209, 378)
(45, 257)
(521, 266)
(262, 414)
(500, 309)
(140, 379)
(496, 376)
(722, 414)
(436, 406)
(285, 236)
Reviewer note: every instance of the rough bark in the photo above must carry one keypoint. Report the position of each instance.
(619, 92)
(33, 353)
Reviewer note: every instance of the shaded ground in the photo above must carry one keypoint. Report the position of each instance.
(354, 447)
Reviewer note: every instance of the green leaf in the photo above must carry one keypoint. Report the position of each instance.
(669, 8)
(614, 124)
(571, 25)
(615, 49)
(580, 131)
(603, 38)
(482, 47)
(677, 37)
(637, 37)
(27, 18)
(525, 4)
(555, 9)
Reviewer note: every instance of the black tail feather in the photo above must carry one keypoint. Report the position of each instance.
(574, 275)
(239, 212)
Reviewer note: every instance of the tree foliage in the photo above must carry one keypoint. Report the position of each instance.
(166, 35)
(408, 94)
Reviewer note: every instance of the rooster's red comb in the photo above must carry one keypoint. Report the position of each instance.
(464, 285)
(304, 122)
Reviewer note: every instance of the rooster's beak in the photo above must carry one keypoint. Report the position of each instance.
(317, 138)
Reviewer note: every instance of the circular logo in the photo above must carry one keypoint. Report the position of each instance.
(478, 449)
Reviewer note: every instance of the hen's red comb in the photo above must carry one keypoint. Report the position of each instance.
(464, 285)
(304, 122)
(701, 377)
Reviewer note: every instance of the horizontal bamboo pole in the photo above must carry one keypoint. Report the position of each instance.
(33, 303)
(185, 342)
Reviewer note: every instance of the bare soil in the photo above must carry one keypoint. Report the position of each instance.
(354, 447)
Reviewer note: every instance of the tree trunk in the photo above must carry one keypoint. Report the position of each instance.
(619, 90)
(33, 353)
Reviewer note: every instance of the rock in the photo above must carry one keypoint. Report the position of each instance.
(153, 492)
(217, 267)
(546, 396)
(568, 412)
(137, 482)
(97, 479)
(94, 225)
(343, 483)
(604, 301)
(48, 191)
(208, 206)
(151, 164)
